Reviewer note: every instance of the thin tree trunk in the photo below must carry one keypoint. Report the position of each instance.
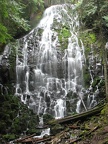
(106, 70)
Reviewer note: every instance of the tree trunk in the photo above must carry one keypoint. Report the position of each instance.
(106, 69)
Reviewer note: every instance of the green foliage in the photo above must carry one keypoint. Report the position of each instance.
(14, 16)
(92, 37)
(90, 8)
(11, 17)
(15, 118)
(93, 15)
(89, 38)
(4, 36)
(106, 20)
(31, 7)
(63, 35)
(9, 137)
(104, 111)
(104, 114)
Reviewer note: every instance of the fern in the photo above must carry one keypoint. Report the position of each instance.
(106, 20)
(4, 36)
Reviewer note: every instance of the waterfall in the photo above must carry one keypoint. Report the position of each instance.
(49, 79)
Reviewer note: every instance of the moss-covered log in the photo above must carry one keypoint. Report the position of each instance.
(80, 116)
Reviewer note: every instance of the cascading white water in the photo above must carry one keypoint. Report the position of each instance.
(49, 79)
(92, 95)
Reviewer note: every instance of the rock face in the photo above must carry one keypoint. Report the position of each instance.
(50, 63)
(94, 75)
(53, 75)
(7, 72)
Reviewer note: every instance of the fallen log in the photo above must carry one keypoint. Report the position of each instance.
(36, 140)
(78, 127)
(22, 139)
(80, 116)
(57, 137)
(81, 136)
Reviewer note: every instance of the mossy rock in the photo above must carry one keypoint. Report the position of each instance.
(56, 128)
(96, 81)
(86, 77)
(33, 130)
(47, 118)
(40, 31)
(16, 118)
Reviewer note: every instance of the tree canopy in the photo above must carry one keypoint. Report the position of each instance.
(14, 16)
(94, 14)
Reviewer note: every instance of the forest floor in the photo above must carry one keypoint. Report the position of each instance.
(90, 130)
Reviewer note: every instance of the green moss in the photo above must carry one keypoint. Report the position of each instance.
(16, 118)
(9, 137)
(65, 32)
(104, 111)
(86, 77)
(33, 130)
(88, 38)
(63, 35)
(87, 50)
(47, 118)
(92, 37)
